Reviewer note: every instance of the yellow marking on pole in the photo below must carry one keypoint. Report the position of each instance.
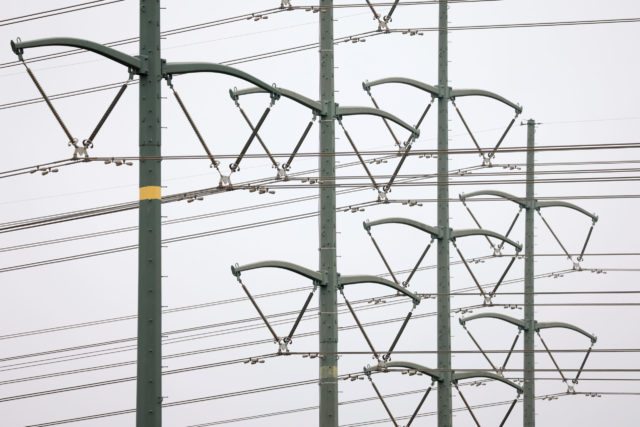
(150, 192)
(328, 371)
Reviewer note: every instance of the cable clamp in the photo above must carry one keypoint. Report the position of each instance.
(225, 181)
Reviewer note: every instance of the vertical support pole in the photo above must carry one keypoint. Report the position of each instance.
(149, 367)
(529, 321)
(444, 288)
(328, 327)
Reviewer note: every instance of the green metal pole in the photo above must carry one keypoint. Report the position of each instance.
(444, 302)
(529, 333)
(149, 375)
(328, 261)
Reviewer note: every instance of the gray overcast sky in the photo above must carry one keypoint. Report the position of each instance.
(580, 82)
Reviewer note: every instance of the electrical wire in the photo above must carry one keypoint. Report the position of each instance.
(56, 12)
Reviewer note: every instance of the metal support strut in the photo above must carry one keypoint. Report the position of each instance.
(355, 150)
(415, 268)
(496, 251)
(387, 356)
(264, 146)
(464, 122)
(386, 123)
(506, 360)
(287, 165)
(355, 317)
(513, 404)
(72, 141)
(576, 266)
(288, 339)
(584, 247)
(214, 162)
(513, 223)
(395, 423)
(570, 387)
(393, 276)
(495, 289)
(504, 134)
(481, 350)
(466, 404)
(464, 261)
(88, 143)
(236, 165)
(415, 413)
(586, 356)
(276, 338)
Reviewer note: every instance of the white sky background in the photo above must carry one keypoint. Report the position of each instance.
(568, 78)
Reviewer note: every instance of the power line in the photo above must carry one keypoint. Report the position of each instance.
(56, 12)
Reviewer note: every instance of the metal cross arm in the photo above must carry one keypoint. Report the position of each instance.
(551, 204)
(433, 90)
(458, 93)
(385, 367)
(518, 200)
(115, 55)
(483, 374)
(433, 231)
(174, 68)
(236, 270)
(512, 320)
(482, 232)
(365, 278)
(551, 325)
(359, 111)
(315, 106)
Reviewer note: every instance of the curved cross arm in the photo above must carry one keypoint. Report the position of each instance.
(490, 375)
(286, 93)
(482, 232)
(549, 325)
(357, 111)
(516, 322)
(113, 54)
(210, 67)
(365, 278)
(594, 217)
(410, 365)
(479, 92)
(507, 196)
(295, 268)
(402, 80)
(406, 221)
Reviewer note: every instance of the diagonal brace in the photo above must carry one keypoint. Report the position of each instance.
(395, 423)
(415, 413)
(495, 250)
(584, 361)
(287, 165)
(555, 236)
(264, 319)
(235, 165)
(584, 247)
(89, 141)
(424, 253)
(464, 261)
(513, 404)
(495, 289)
(289, 337)
(398, 335)
(481, 350)
(467, 404)
(464, 122)
(355, 317)
(504, 134)
(513, 223)
(72, 141)
(554, 362)
(355, 150)
(384, 259)
(264, 146)
(506, 360)
(214, 162)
